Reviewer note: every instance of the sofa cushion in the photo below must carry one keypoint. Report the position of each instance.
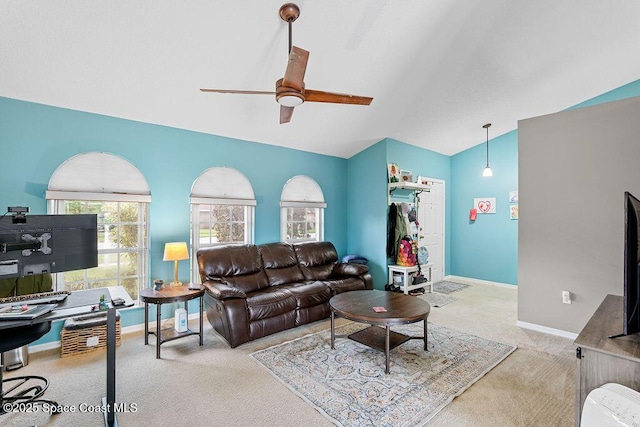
(343, 285)
(280, 263)
(270, 302)
(309, 294)
(343, 269)
(239, 266)
(316, 259)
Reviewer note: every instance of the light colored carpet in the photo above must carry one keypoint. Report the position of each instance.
(437, 300)
(446, 287)
(349, 385)
(215, 385)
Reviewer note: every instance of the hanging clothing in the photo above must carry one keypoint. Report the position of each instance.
(400, 232)
(391, 227)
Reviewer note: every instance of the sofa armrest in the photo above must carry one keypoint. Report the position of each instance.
(223, 290)
(346, 269)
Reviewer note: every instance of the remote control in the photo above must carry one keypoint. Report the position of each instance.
(117, 301)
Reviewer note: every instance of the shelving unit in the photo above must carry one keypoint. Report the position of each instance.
(407, 272)
(407, 186)
(407, 276)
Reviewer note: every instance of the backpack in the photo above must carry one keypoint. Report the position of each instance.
(407, 252)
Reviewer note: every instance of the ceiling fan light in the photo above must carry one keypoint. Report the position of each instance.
(290, 100)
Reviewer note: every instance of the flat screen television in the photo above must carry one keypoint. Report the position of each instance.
(38, 244)
(631, 298)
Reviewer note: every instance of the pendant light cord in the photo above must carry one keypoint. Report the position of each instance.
(487, 128)
(487, 146)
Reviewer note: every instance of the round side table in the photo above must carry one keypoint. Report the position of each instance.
(169, 294)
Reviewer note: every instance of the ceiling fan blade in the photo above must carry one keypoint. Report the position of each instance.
(296, 67)
(285, 114)
(336, 98)
(244, 92)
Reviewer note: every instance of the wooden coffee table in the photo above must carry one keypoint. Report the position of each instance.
(401, 309)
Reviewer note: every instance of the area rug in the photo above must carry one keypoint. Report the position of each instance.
(437, 300)
(446, 287)
(348, 385)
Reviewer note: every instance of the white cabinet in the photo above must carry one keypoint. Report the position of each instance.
(407, 276)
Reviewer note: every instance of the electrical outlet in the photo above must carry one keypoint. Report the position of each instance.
(566, 297)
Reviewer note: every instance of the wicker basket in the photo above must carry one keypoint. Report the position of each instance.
(84, 334)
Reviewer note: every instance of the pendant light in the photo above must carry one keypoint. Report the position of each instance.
(487, 170)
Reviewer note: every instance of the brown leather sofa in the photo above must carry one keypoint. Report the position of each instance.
(252, 291)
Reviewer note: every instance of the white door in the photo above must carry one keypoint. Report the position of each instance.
(431, 229)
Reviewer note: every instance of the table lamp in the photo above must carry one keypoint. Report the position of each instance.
(175, 251)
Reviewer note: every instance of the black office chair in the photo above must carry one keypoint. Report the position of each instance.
(28, 388)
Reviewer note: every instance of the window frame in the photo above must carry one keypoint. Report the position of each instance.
(220, 185)
(104, 177)
(249, 218)
(56, 206)
(319, 224)
(302, 191)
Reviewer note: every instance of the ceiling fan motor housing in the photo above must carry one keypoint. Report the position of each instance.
(287, 96)
(289, 12)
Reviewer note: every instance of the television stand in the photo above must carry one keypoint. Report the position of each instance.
(617, 336)
(602, 360)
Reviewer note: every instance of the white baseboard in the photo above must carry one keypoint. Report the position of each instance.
(546, 330)
(524, 325)
(124, 331)
(44, 347)
(472, 281)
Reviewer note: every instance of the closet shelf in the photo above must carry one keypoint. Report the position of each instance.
(413, 186)
(409, 186)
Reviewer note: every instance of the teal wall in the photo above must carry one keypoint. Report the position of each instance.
(35, 139)
(627, 91)
(487, 248)
(367, 197)
(366, 209)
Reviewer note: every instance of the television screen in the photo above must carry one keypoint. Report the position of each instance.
(631, 297)
(38, 244)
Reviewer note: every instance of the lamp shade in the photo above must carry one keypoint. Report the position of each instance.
(175, 251)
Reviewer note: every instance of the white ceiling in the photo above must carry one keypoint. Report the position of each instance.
(437, 70)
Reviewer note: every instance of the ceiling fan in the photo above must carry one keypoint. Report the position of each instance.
(290, 90)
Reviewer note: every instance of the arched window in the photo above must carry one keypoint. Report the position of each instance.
(302, 210)
(115, 190)
(222, 210)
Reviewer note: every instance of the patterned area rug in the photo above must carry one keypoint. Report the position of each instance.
(446, 287)
(348, 385)
(437, 300)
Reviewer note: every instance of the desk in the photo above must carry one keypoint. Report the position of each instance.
(72, 306)
(407, 285)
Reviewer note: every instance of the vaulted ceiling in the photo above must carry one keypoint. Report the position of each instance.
(437, 70)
